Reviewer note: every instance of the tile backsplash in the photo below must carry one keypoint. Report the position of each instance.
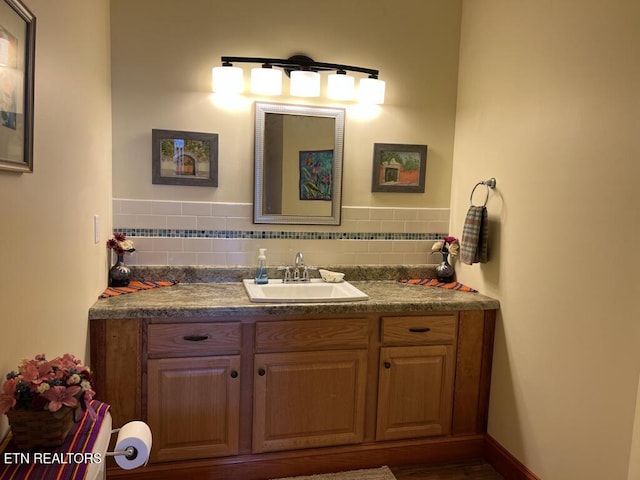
(223, 234)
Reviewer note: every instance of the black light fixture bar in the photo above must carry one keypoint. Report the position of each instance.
(302, 62)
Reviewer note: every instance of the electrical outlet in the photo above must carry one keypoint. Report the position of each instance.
(96, 228)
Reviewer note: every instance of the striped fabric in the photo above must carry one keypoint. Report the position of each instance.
(433, 282)
(475, 236)
(134, 287)
(81, 439)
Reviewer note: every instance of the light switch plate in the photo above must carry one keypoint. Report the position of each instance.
(96, 228)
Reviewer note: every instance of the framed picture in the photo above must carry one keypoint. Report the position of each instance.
(184, 158)
(399, 168)
(17, 51)
(316, 175)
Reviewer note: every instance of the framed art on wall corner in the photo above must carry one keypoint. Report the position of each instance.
(17, 62)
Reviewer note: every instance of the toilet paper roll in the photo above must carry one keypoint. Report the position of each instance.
(137, 435)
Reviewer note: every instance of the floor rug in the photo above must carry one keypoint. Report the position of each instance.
(382, 473)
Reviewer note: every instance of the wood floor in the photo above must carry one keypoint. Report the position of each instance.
(470, 470)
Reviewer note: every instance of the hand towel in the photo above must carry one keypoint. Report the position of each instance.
(475, 235)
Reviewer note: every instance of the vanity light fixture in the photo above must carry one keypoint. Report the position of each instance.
(304, 83)
(341, 86)
(304, 73)
(227, 79)
(371, 91)
(266, 80)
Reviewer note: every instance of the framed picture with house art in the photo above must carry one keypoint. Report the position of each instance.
(399, 168)
(184, 158)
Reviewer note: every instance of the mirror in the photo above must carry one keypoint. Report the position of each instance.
(298, 164)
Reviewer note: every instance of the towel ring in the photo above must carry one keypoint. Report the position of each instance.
(491, 183)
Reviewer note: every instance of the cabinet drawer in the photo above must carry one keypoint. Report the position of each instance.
(423, 329)
(312, 334)
(191, 339)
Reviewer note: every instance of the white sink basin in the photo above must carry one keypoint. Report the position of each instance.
(315, 291)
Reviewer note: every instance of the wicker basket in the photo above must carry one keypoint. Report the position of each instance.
(33, 429)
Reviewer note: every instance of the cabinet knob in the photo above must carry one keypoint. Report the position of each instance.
(419, 330)
(387, 364)
(234, 374)
(261, 372)
(195, 338)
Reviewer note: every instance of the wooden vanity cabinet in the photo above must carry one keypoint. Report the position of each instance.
(310, 392)
(309, 399)
(271, 395)
(415, 388)
(192, 399)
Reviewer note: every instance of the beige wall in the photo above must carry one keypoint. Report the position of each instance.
(548, 103)
(163, 51)
(51, 269)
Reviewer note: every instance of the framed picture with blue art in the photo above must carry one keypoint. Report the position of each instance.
(316, 174)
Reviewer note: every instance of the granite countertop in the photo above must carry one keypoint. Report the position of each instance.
(224, 295)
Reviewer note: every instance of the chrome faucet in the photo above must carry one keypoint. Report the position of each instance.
(299, 263)
(300, 271)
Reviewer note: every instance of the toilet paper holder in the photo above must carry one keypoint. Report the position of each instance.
(133, 445)
(130, 452)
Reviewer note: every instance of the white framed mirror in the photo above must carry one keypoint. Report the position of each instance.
(298, 164)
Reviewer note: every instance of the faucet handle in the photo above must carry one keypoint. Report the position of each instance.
(305, 273)
(287, 274)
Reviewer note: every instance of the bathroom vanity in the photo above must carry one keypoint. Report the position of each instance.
(234, 389)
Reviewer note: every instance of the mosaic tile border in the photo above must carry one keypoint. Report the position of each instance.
(265, 234)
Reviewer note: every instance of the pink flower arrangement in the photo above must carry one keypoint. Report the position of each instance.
(42, 384)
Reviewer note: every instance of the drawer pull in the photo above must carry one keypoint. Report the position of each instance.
(387, 364)
(419, 330)
(196, 338)
(234, 374)
(261, 372)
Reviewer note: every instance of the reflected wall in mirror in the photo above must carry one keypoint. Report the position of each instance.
(298, 164)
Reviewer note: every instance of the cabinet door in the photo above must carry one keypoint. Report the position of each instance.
(193, 407)
(415, 391)
(309, 399)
